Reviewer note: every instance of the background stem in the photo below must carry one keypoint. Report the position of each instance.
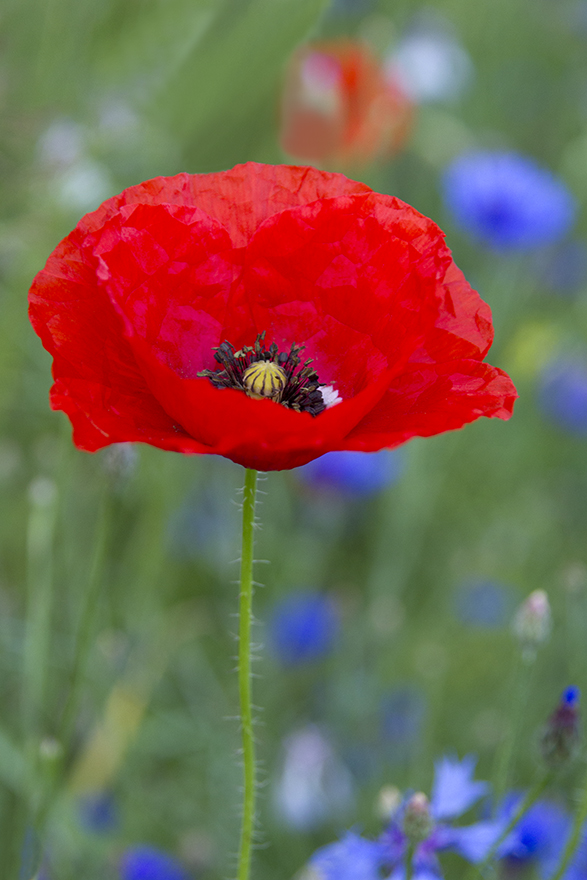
(521, 687)
(574, 840)
(525, 804)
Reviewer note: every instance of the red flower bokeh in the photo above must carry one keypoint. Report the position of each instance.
(339, 106)
(134, 301)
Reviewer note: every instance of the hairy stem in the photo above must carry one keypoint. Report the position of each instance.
(244, 674)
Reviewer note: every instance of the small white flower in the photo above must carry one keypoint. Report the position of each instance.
(430, 66)
(533, 621)
(314, 785)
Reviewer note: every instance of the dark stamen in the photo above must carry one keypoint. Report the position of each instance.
(299, 383)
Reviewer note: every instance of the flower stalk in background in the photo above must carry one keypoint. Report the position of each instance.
(559, 742)
(268, 314)
(531, 627)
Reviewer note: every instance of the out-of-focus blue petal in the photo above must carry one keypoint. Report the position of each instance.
(426, 864)
(402, 718)
(507, 201)
(454, 789)
(484, 603)
(562, 394)
(303, 627)
(539, 835)
(149, 863)
(571, 696)
(352, 858)
(353, 473)
(393, 840)
(399, 873)
(474, 841)
(98, 812)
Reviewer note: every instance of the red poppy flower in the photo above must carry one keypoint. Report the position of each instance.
(339, 105)
(155, 306)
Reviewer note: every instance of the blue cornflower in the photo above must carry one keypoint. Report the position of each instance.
(149, 863)
(454, 791)
(303, 627)
(353, 473)
(562, 393)
(507, 201)
(538, 837)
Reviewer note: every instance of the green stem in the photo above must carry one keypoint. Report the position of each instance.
(521, 688)
(410, 861)
(574, 840)
(525, 804)
(83, 645)
(83, 641)
(244, 675)
(37, 642)
(40, 533)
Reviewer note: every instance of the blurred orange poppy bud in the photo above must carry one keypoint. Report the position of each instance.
(340, 107)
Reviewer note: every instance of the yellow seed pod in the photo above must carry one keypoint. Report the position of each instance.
(264, 379)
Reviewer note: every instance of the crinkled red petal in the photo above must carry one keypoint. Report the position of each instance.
(132, 303)
(429, 399)
(240, 199)
(146, 280)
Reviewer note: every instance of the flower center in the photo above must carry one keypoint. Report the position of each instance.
(267, 373)
(265, 379)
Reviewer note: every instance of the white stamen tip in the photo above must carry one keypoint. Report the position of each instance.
(330, 396)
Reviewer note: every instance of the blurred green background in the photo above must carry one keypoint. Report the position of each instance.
(99, 96)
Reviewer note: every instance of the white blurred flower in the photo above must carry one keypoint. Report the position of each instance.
(321, 79)
(430, 65)
(42, 492)
(75, 180)
(83, 186)
(533, 621)
(120, 460)
(314, 785)
(388, 802)
(61, 144)
(118, 121)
